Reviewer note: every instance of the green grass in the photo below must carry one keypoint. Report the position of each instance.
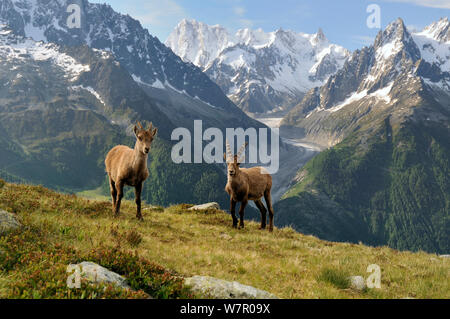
(336, 277)
(94, 194)
(174, 242)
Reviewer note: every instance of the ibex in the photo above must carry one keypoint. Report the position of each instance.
(246, 184)
(126, 166)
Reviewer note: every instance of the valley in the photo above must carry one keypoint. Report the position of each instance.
(294, 154)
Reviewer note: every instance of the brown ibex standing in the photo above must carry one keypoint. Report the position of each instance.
(126, 166)
(246, 184)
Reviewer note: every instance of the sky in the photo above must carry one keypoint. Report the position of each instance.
(343, 22)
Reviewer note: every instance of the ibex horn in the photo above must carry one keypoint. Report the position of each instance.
(150, 126)
(140, 125)
(229, 153)
(241, 150)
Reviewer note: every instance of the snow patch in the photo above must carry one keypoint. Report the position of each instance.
(24, 49)
(381, 94)
(432, 50)
(90, 90)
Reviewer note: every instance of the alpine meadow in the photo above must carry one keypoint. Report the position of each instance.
(161, 150)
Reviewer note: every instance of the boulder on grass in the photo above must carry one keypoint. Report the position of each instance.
(8, 222)
(221, 289)
(212, 205)
(97, 274)
(357, 282)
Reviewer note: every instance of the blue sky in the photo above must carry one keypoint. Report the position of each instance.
(343, 21)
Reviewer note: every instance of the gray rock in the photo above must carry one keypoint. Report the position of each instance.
(212, 205)
(222, 289)
(8, 222)
(97, 274)
(444, 256)
(357, 282)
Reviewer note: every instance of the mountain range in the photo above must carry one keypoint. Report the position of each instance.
(161, 73)
(385, 119)
(261, 72)
(69, 94)
(381, 114)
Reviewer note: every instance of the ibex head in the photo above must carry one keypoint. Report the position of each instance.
(233, 162)
(144, 137)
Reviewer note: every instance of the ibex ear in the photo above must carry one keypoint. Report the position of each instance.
(155, 130)
(135, 130)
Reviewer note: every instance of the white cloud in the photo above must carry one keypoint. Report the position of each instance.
(239, 11)
(443, 4)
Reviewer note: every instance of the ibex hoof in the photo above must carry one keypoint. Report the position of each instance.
(140, 218)
(262, 227)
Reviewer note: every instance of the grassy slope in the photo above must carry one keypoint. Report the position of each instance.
(60, 229)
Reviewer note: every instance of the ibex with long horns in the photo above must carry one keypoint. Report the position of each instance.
(126, 166)
(246, 184)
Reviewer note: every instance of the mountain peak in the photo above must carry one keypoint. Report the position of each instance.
(320, 36)
(439, 30)
(396, 27)
(262, 71)
(395, 38)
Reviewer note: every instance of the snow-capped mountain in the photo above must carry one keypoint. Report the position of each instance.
(143, 55)
(259, 71)
(62, 108)
(434, 43)
(391, 77)
(35, 74)
(385, 119)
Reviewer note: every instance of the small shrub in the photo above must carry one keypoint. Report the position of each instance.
(39, 266)
(336, 277)
(65, 230)
(141, 273)
(134, 238)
